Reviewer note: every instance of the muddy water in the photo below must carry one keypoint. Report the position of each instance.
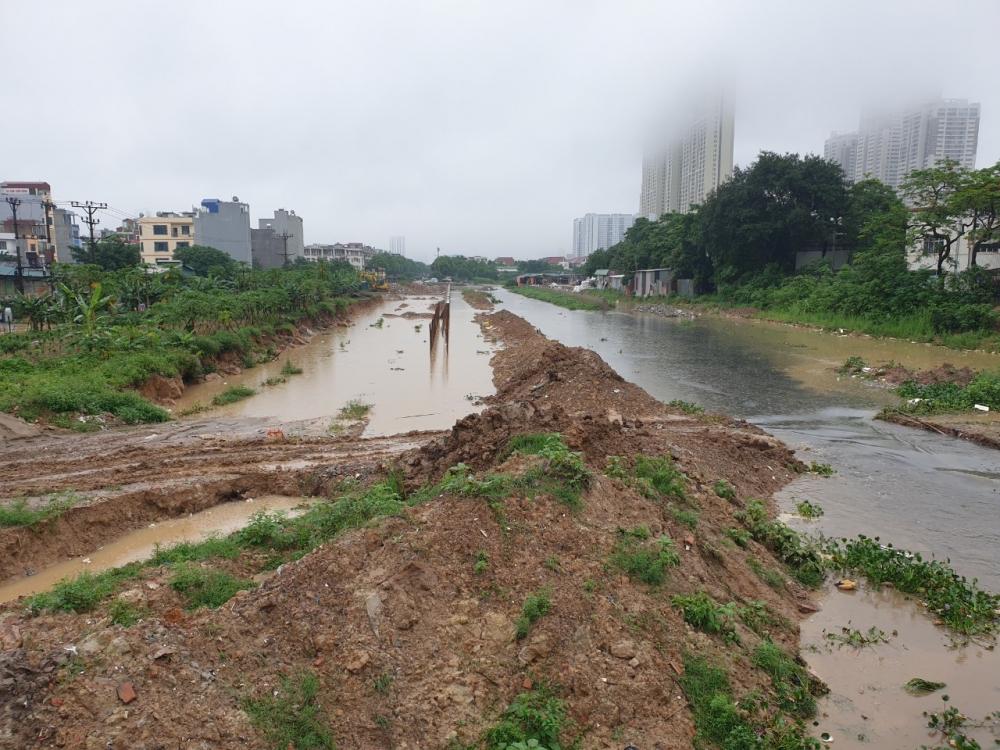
(390, 367)
(141, 544)
(919, 490)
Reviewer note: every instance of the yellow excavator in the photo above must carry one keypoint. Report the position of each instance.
(376, 279)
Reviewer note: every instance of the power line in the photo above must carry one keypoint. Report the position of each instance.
(19, 277)
(91, 208)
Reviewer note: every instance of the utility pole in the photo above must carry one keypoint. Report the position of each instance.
(91, 208)
(284, 238)
(19, 275)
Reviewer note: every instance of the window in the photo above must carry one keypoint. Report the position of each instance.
(173, 231)
(3, 244)
(183, 244)
(186, 230)
(161, 247)
(160, 229)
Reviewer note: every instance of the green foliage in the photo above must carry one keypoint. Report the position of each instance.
(643, 559)
(802, 559)
(83, 593)
(109, 254)
(703, 613)
(686, 406)
(656, 476)
(772, 578)
(206, 587)
(920, 686)
(536, 716)
(616, 468)
(399, 267)
(290, 368)
(291, 718)
(482, 563)
(460, 268)
(206, 261)
(808, 509)
(790, 680)
(215, 547)
(17, 512)
(943, 397)
(383, 683)
(232, 394)
(535, 606)
(824, 470)
(569, 300)
(563, 473)
(688, 518)
(724, 489)
(355, 409)
(125, 613)
(740, 536)
(959, 603)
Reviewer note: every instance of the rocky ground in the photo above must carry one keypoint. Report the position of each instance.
(408, 623)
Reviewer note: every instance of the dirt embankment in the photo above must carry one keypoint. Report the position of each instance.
(412, 641)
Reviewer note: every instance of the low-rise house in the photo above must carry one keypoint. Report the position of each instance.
(653, 282)
(356, 253)
(163, 233)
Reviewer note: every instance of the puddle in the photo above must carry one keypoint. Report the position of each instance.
(391, 367)
(867, 706)
(141, 543)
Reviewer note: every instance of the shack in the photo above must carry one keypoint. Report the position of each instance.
(651, 282)
(36, 280)
(546, 279)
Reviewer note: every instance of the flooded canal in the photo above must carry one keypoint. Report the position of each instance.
(141, 544)
(916, 489)
(387, 364)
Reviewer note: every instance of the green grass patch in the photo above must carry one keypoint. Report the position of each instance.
(534, 608)
(482, 563)
(291, 717)
(703, 613)
(537, 717)
(17, 513)
(125, 613)
(687, 518)
(290, 368)
(802, 557)
(214, 547)
(644, 559)
(686, 406)
(920, 686)
(569, 300)
(233, 394)
(789, 679)
(724, 489)
(824, 470)
(771, 577)
(85, 591)
(355, 410)
(206, 587)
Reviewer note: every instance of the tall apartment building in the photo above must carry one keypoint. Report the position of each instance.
(225, 225)
(695, 160)
(598, 232)
(163, 233)
(887, 147)
(397, 245)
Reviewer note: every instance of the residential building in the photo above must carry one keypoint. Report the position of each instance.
(888, 146)
(65, 234)
(693, 161)
(287, 227)
(225, 225)
(922, 254)
(598, 232)
(163, 233)
(397, 245)
(34, 219)
(355, 253)
(267, 248)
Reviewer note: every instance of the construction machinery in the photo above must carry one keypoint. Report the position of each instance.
(375, 278)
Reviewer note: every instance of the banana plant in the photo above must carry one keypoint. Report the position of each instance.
(88, 309)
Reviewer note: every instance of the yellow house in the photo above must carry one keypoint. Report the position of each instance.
(160, 235)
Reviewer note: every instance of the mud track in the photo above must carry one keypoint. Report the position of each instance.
(399, 603)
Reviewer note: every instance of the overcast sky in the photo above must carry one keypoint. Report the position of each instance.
(481, 128)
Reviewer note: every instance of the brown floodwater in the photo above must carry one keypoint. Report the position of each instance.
(868, 706)
(141, 543)
(390, 367)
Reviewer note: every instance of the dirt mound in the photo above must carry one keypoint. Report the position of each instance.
(410, 625)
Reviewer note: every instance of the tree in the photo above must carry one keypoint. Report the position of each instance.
(397, 267)
(460, 268)
(979, 200)
(537, 266)
(937, 218)
(110, 254)
(206, 261)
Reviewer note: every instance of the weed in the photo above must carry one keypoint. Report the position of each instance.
(642, 559)
(803, 559)
(382, 722)
(196, 408)
(290, 368)
(535, 606)
(920, 686)
(563, 474)
(291, 717)
(552, 563)
(482, 563)
(953, 724)
(213, 547)
(382, 683)
(959, 603)
(378, 323)
(857, 638)
(808, 509)
(83, 593)
(616, 468)
(18, 513)
(590, 585)
(758, 617)
(275, 380)
(417, 327)
(824, 470)
(568, 300)
(853, 365)
(724, 490)
(657, 475)
(740, 536)
(355, 410)
(790, 681)
(772, 578)
(125, 613)
(335, 428)
(688, 518)
(206, 587)
(703, 613)
(233, 394)
(537, 716)
(686, 406)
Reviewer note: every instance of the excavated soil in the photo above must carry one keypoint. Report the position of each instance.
(411, 646)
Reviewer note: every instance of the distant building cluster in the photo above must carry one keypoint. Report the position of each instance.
(46, 231)
(598, 232)
(888, 146)
(356, 253)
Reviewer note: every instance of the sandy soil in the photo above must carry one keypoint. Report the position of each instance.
(400, 598)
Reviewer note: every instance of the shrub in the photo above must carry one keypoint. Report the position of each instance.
(534, 608)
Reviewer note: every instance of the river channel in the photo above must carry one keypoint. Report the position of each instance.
(916, 489)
